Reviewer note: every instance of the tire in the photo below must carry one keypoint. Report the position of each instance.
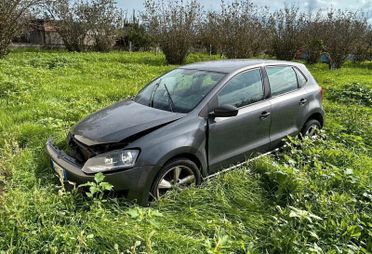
(167, 179)
(310, 128)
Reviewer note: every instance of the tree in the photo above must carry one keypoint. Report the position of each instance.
(13, 14)
(133, 35)
(72, 21)
(210, 33)
(368, 39)
(341, 32)
(286, 26)
(312, 39)
(104, 21)
(173, 26)
(83, 23)
(363, 46)
(238, 31)
(242, 28)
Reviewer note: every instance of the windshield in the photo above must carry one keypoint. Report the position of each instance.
(180, 90)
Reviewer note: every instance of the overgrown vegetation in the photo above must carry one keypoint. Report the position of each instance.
(311, 197)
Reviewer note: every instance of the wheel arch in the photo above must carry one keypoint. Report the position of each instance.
(188, 156)
(187, 153)
(315, 116)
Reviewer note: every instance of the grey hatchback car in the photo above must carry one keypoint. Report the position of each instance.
(191, 123)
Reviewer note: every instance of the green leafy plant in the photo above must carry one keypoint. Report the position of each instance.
(97, 188)
(352, 93)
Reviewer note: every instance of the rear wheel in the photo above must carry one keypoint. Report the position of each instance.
(311, 128)
(175, 175)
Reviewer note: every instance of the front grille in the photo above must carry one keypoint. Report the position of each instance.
(79, 151)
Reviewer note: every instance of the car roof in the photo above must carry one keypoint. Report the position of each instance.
(230, 66)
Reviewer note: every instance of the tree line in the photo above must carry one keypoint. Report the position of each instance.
(239, 29)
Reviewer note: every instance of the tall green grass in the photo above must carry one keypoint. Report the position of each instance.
(312, 197)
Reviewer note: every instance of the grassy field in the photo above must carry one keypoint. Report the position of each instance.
(314, 197)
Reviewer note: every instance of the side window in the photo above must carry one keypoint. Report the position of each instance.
(243, 89)
(282, 79)
(300, 78)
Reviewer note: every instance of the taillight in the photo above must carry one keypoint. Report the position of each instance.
(322, 93)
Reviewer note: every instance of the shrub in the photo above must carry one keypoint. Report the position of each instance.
(354, 93)
(173, 25)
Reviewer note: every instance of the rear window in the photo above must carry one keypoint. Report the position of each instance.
(282, 79)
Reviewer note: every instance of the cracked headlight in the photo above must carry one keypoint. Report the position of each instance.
(114, 160)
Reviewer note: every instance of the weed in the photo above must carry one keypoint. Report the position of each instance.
(97, 188)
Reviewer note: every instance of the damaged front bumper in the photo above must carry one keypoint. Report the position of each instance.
(135, 182)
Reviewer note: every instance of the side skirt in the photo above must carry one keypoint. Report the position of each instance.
(240, 164)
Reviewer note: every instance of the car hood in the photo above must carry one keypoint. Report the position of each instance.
(121, 121)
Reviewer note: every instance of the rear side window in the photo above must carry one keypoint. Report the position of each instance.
(282, 79)
(243, 89)
(300, 77)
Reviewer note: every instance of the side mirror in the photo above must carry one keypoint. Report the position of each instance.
(224, 111)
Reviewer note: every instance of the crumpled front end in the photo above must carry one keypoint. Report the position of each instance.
(134, 183)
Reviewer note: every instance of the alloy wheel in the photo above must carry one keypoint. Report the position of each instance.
(178, 177)
(312, 130)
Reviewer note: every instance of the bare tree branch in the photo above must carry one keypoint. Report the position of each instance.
(173, 25)
(12, 18)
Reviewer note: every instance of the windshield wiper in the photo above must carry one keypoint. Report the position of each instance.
(171, 105)
(151, 103)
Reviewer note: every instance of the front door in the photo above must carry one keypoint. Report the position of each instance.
(234, 139)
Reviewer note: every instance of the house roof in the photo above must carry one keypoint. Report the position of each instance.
(44, 25)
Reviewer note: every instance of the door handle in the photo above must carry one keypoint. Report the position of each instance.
(303, 101)
(264, 115)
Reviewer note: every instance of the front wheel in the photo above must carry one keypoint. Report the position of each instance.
(311, 128)
(177, 174)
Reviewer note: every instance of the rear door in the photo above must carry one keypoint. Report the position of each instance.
(233, 139)
(287, 101)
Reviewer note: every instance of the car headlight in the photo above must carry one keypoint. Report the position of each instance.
(111, 161)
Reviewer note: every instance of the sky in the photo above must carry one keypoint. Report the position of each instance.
(364, 5)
